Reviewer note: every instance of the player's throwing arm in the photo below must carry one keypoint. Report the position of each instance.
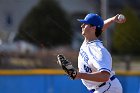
(119, 18)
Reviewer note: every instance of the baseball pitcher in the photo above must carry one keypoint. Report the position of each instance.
(94, 60)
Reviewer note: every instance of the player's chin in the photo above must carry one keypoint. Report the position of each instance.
(83, 33)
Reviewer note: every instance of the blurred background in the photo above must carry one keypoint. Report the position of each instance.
(34, 32)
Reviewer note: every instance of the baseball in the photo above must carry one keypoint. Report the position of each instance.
(121, 17)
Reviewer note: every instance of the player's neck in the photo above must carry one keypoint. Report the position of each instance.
(91, 39)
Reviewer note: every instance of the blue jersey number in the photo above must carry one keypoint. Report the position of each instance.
(87, 69)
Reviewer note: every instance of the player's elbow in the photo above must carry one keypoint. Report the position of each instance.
(105, 79)
(105, 76)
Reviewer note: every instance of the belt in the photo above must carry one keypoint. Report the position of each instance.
(112, 78)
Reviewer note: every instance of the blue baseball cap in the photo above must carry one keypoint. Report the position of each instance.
(93, 19)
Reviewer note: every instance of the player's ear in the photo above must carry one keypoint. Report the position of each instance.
(93, 27)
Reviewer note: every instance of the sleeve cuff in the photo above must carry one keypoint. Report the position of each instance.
(104, 69)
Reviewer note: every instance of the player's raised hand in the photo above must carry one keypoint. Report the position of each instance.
(119, 18)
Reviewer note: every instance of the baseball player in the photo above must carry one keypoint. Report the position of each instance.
(94, 60)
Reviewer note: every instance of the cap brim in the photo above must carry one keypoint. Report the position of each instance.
(82, 21)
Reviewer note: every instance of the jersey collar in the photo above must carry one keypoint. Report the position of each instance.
(97, 40)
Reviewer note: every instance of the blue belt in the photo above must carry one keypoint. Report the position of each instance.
(112, 78)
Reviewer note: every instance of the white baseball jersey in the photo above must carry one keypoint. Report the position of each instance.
(94, 57)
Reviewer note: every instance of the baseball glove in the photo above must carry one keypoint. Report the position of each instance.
(67, 66)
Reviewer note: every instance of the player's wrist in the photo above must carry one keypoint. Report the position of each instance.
(113, 19)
